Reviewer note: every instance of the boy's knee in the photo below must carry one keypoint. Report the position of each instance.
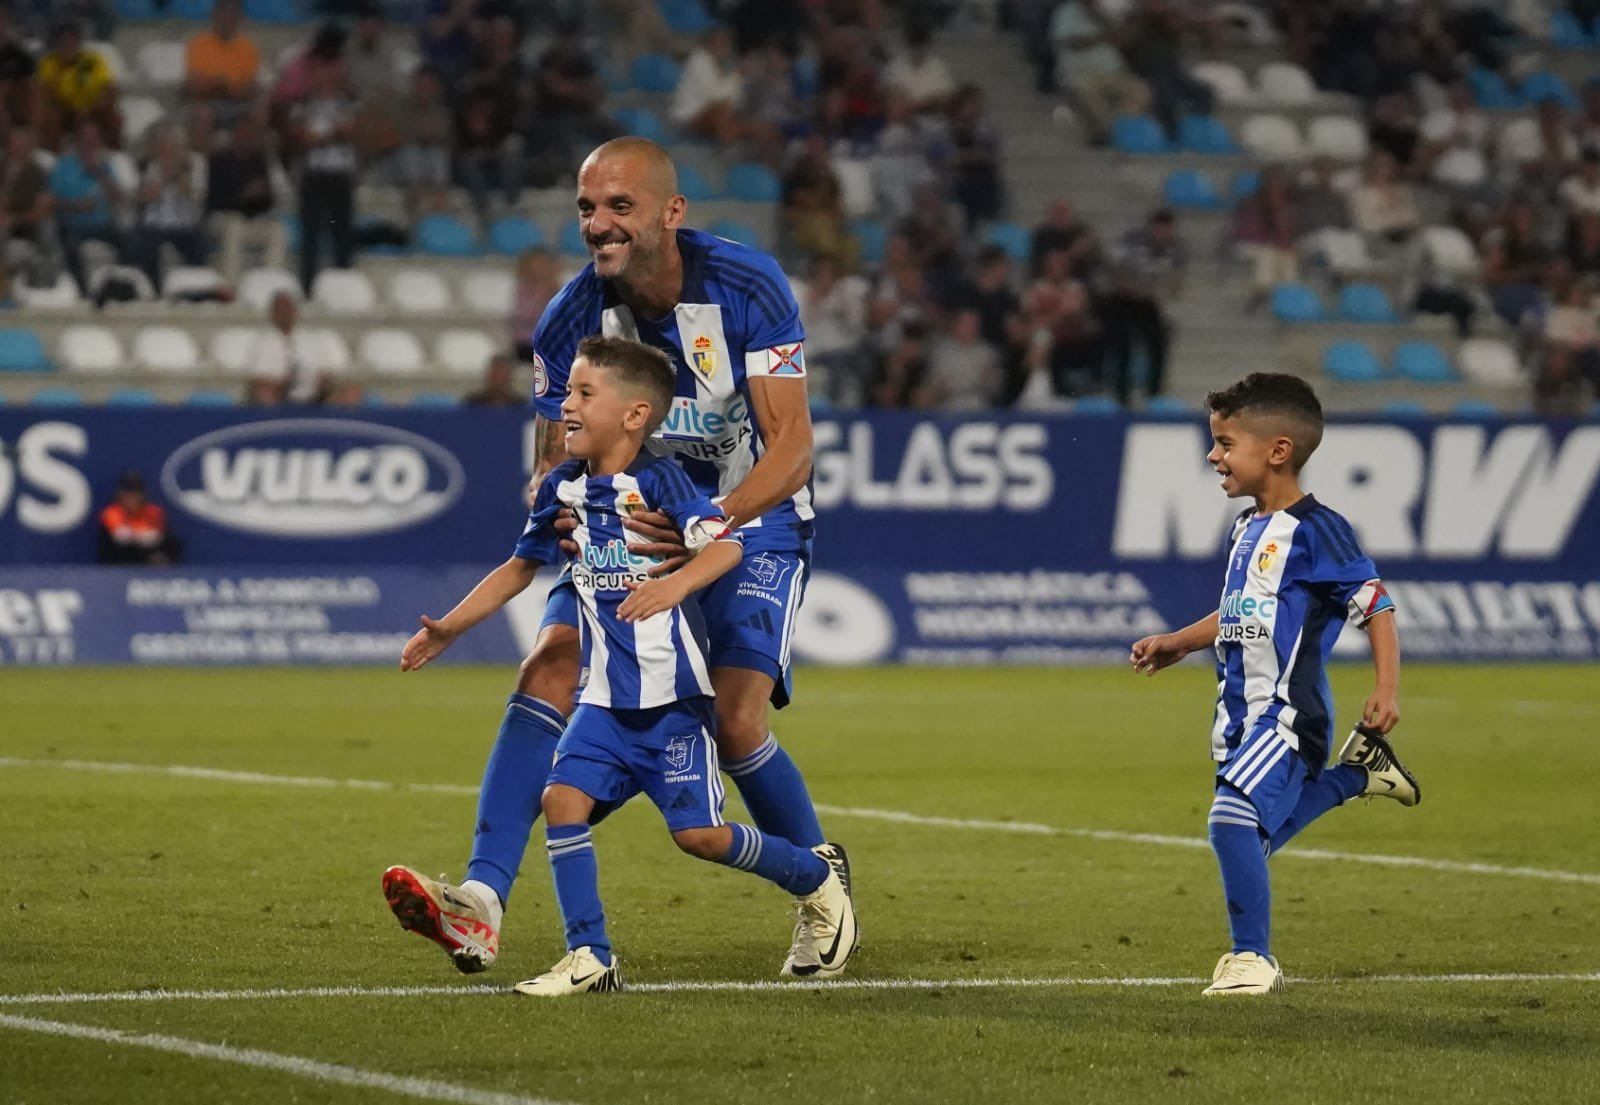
(708, 843)
(564, 805)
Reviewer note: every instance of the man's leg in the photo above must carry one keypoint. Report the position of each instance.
(770, 783)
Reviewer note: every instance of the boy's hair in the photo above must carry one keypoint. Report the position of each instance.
(638, 370)
(1286, 400)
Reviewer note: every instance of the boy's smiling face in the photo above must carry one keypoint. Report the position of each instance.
(596, 414)
(1245, 453)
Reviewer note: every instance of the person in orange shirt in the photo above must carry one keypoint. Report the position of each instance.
(221, 65)
(133, 530)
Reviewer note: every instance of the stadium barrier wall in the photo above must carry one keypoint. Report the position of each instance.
(319, 538)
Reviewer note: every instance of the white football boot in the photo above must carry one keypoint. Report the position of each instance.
(1386, 775)
(825, 933)
(455, 918)
(579, 972)
(1245, 973)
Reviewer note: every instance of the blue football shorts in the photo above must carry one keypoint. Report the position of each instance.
(665, 752)
(1269, 772)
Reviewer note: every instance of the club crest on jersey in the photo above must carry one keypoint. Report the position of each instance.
(1267, 556)
(629, 502)
(786, 362)
(677, 754)
(704, 357)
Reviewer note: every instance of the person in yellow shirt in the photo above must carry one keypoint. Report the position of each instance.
(221, 65)
(75, 84)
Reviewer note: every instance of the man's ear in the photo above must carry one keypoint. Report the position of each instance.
(673, 213)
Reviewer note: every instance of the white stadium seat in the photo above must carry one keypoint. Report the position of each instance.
(1520, 141)
(188, 281)
(1228, 82)
(391, 352)
(464, 352)
(419, 291)
(112, 57)
(258, 286)
(1271, 137)
(1337, 136)
(162, 62)
(165, 349)
(490, 292)
(90, 349)
(1343, 251)
(230, 348)
(344, 292)
(1284, 84)
(334, 347)
(1489, 361)
(63, 295)
(139, 114)
(1450, 251)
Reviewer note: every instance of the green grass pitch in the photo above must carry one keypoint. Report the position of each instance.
(140, 880)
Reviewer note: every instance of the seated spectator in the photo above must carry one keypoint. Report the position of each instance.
(772, 97)
(1580, 192)
(290, 365)
(75, 84)
(903, 369)
(1148, 273)
(171, 204)
(813, 206)
(1155, 51)
(833, 310)
(498, 389)
(963, 372)
(323, 128)
(1066, 353)
(1266, 231)
(1383, 205)
(375, 71)
(19, 93)
(710, 91)
(486, 158)
(1583, 245)
(1460, 118)
(900, 301)
(538, 281)
(1557, 151)
(974, 158)
(1092, 70)
(241, 201)
(222, 65)
(567, 106)
(1061, 230)
(1000, 316)
(1570, 374)
(26, 207)
(88, 198)
(1514, 263)
(445, 37)
(1321, 204)
(903, 159)
(133, 530)
(1587, 125)
(920, 75)
(422, 161)
(1394, 129)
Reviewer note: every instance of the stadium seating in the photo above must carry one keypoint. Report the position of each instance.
(1366, 303)
(1296, 303)
(736, 231)
(686, 17)
(1189, 190)
(1284, 84)
(419, 291)
(1489, 361)
(872, 235)
(1567, 32)
(1351, 362)
(1405, 408)
(1245, 183)
(445, 236)
(1337, 136)
(1271, 138)
(275, 11)
(257, 287)
(1519, 141)
(210, 399)
(1097, 406)
(1490, 90)
(132, 397)
(695, 185)
(1423, 362)
(1167, 406)
(165, 349)
(1450, 251)
(90, 349)
(654, 73)
(1546, 85)
(63, 295)
(1205, 134)
(391, 352)
(230, 348)
(22, 351)
(489, 291)
(57, 397)
(161, 62)
(751, 183)
(1138, 134)
(1343, 251)
(1227, 81)
(1011, 237)
(572, 244)
(435, 400)
(139, 114)
(516, 234)
(344, 292)
(1475, 408)
(642, 122)
(191, 282)
(334, 347)
(463, 352)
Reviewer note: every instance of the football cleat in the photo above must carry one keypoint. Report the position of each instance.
(825, 933)
(1245, 973)
(1386, 775)
(451, 916)
(579, 972)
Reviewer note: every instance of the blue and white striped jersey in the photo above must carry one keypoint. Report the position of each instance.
(632, 666)
(1294, 578)
(736, 319)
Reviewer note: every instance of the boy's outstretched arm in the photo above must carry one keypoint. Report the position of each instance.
(1165, 649)
(655, 595)
(1382, 711)
(492, 592)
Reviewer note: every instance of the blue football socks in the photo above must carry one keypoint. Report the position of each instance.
(1236, 837)
(797, 870)
(775, 793)
(577, 879)
(1334, 787)
(513, 781)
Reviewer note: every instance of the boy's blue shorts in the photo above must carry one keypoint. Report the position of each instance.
(665, 752)
(1269, 772)
(750, 613)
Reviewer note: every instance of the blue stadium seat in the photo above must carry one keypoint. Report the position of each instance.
(1167, 406)
(515, 234)
(1405, 408)
(190, 9)
(136, 9)
(1545, 85)
(752, 183)
(274, 11)
(1015, 240)
(695, 185)
(1352, 362)
(1245, 183)
(736, 231)
(1189, 190)
(57, 397)
(642, 122)
(1138, 134)
(1205, 134)
(445, 236)
(1491, 92)
(435, 400)
(1366, 303)
(132, 397)
(210, 399)
(364, 223)
(572, 244)
(1296, 303)
(1423, 362)
(374, 401)
(686, 17)
(654, 73)
(872, 235)
(22, 351)
(1567, 33)
(1096, 406)
(1475, 408)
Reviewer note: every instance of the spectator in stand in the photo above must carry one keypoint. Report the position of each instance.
(171, 202)
(974, 158)
(772, 99)
(375, 71)
(486, 158)
(1557, 149)
(1318, 199)
(26, 206)
(1155, 51)
(1514, 264)
(222, 65)
(935, 233)
(538, 281)
(445, 37)
(903, 159)
(900, 301)
(75, 84)
(88, 198)
(19, 92)
(1383, 206)
(920, 75)
(999, 317)
(498, 388)
(241, 200)
(710, 91)
(1580, 192)
(1583, 245)
(813, 206)
(833, 310)
(1569, 376)
(1067, 340)
(963, 372)
(1148, 271)
(1266, 231)
(567, 105)
(1395, 130)
(1061, 230)
(1587, 126)
(1459, 118)
(1091, 69)
(323, 128)
(290, 365)
(133, 530)
(903, 369)
(422, 163)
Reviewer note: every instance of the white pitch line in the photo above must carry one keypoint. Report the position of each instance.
(119, 997)
(425, 1088)
(1379, 859)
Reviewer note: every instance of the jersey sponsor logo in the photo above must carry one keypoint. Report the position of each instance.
(541, 376)
(1246, 617)
(706, 430)
(786, 362)
(313, 478)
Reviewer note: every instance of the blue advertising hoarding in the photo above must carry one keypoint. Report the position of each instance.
(991, 539)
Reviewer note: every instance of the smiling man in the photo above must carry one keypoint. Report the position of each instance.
(741, 428)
